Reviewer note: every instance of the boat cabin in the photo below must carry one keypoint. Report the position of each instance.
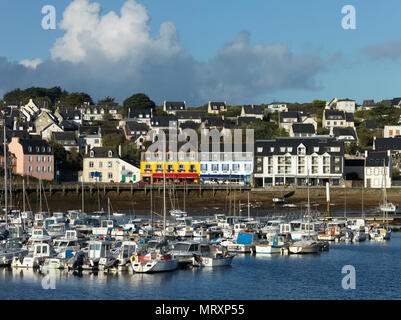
(99, 249)
(42, 250)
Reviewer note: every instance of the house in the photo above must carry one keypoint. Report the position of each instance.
(277, 107)
(252, 111)
(384, 144)
(73, 115)
(346, 105)
(33, 158)
(218, 165)
(216, 107)
(43, 120)
(302, 130)
(335, 118)
(378, 169)
(163, 122)
(46, 133)
(347, 135)
(368, 105)
(105, 164)
(286, 119)
(67, 139)
(98, 112)
(213, 123)
(136, 132)
(172, 106)
(89, 136)
(396, 102)
(190, 116)
(391, 131)
(180, 164)
(190, 125)
(31, 109)
(140, 115)
(296, 160)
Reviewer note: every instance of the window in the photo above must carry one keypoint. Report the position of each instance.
(215, 167)
(110, 154)
(235, 167)
(91, 164)
(49, 169)
(147, 167)
(100, 164)
(110, 175)
(30, 149)
(37, 169)
(204, 167)
(29, 169)
(29, 158)
(110, 164)
(260, 149)
(43, 159)
(37, 158)
(92, 153)
(43, 169)
(49, 159)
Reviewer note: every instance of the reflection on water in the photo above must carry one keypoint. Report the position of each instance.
(316, 276)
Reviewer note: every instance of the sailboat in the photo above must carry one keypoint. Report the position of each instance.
(157, 260)
(307, 245)
(383, 233)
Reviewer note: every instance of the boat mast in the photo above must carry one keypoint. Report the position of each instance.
(83, 194)
(40, 194)
(23, 195)
(151, 208)
(308, 208)
(5, 168)
(249, 212)
(164, 190)
(108, 207)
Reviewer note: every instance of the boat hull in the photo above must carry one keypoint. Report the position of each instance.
(155, 266)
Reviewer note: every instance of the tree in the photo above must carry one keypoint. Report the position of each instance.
(112, 140)
(76, 99)
(351, 148)
(137, 101)
(58, 151)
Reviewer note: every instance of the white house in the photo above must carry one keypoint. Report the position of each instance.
(277, 107)
(346, 105)
(391, 131)
(47, 132)
(378, 169)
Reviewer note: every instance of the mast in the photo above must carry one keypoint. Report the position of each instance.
(40, 194)
(108, 207)
(185, 187)
(83, 195)
(11, 192)
(5, 168)
(164, 189)
(23, 203)
(308, 208)
(151, 208)
(249, 212)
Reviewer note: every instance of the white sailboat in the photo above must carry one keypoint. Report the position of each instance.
(308, 245)
(157, 260)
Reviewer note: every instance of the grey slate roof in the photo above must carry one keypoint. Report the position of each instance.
(384, 144)
(323, 143)
(377, 159)
(102, 152)
(253, 109)
(308, 128)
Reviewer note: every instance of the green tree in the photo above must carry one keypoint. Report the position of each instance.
(351, 148)
(76, 99)
(137, 101)
(58, 151)
(112, 140)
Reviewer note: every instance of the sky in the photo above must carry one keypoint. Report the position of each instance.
(238, 51)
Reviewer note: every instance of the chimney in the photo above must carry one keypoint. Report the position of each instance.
(86, 149)
(15, 124)
(120, 151)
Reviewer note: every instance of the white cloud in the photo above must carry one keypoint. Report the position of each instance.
(116, 55)
(31, 63)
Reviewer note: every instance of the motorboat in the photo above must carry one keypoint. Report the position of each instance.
(36, 258)
(304, 246)
(245, 243)
(275, 245)
(154, 261)
(212, 256)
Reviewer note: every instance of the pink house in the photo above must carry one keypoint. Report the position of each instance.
(33, 158)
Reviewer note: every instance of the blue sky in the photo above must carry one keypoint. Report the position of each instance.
(309, 27)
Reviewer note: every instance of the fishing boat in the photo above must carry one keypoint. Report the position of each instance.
(245, 243)
(274, 245)
(304, 246)
(212, 256)
(35, 259)
(154, 261)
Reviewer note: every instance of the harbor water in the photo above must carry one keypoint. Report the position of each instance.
(249, 277)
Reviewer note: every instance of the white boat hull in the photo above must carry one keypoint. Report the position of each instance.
(155, 266)
(267, 249)
(213, 262)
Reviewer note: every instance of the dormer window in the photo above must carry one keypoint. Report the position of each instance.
(92, 154)
(110, 154)
(30, 149)
(37, 149)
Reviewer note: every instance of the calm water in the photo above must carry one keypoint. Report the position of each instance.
(250, 277)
